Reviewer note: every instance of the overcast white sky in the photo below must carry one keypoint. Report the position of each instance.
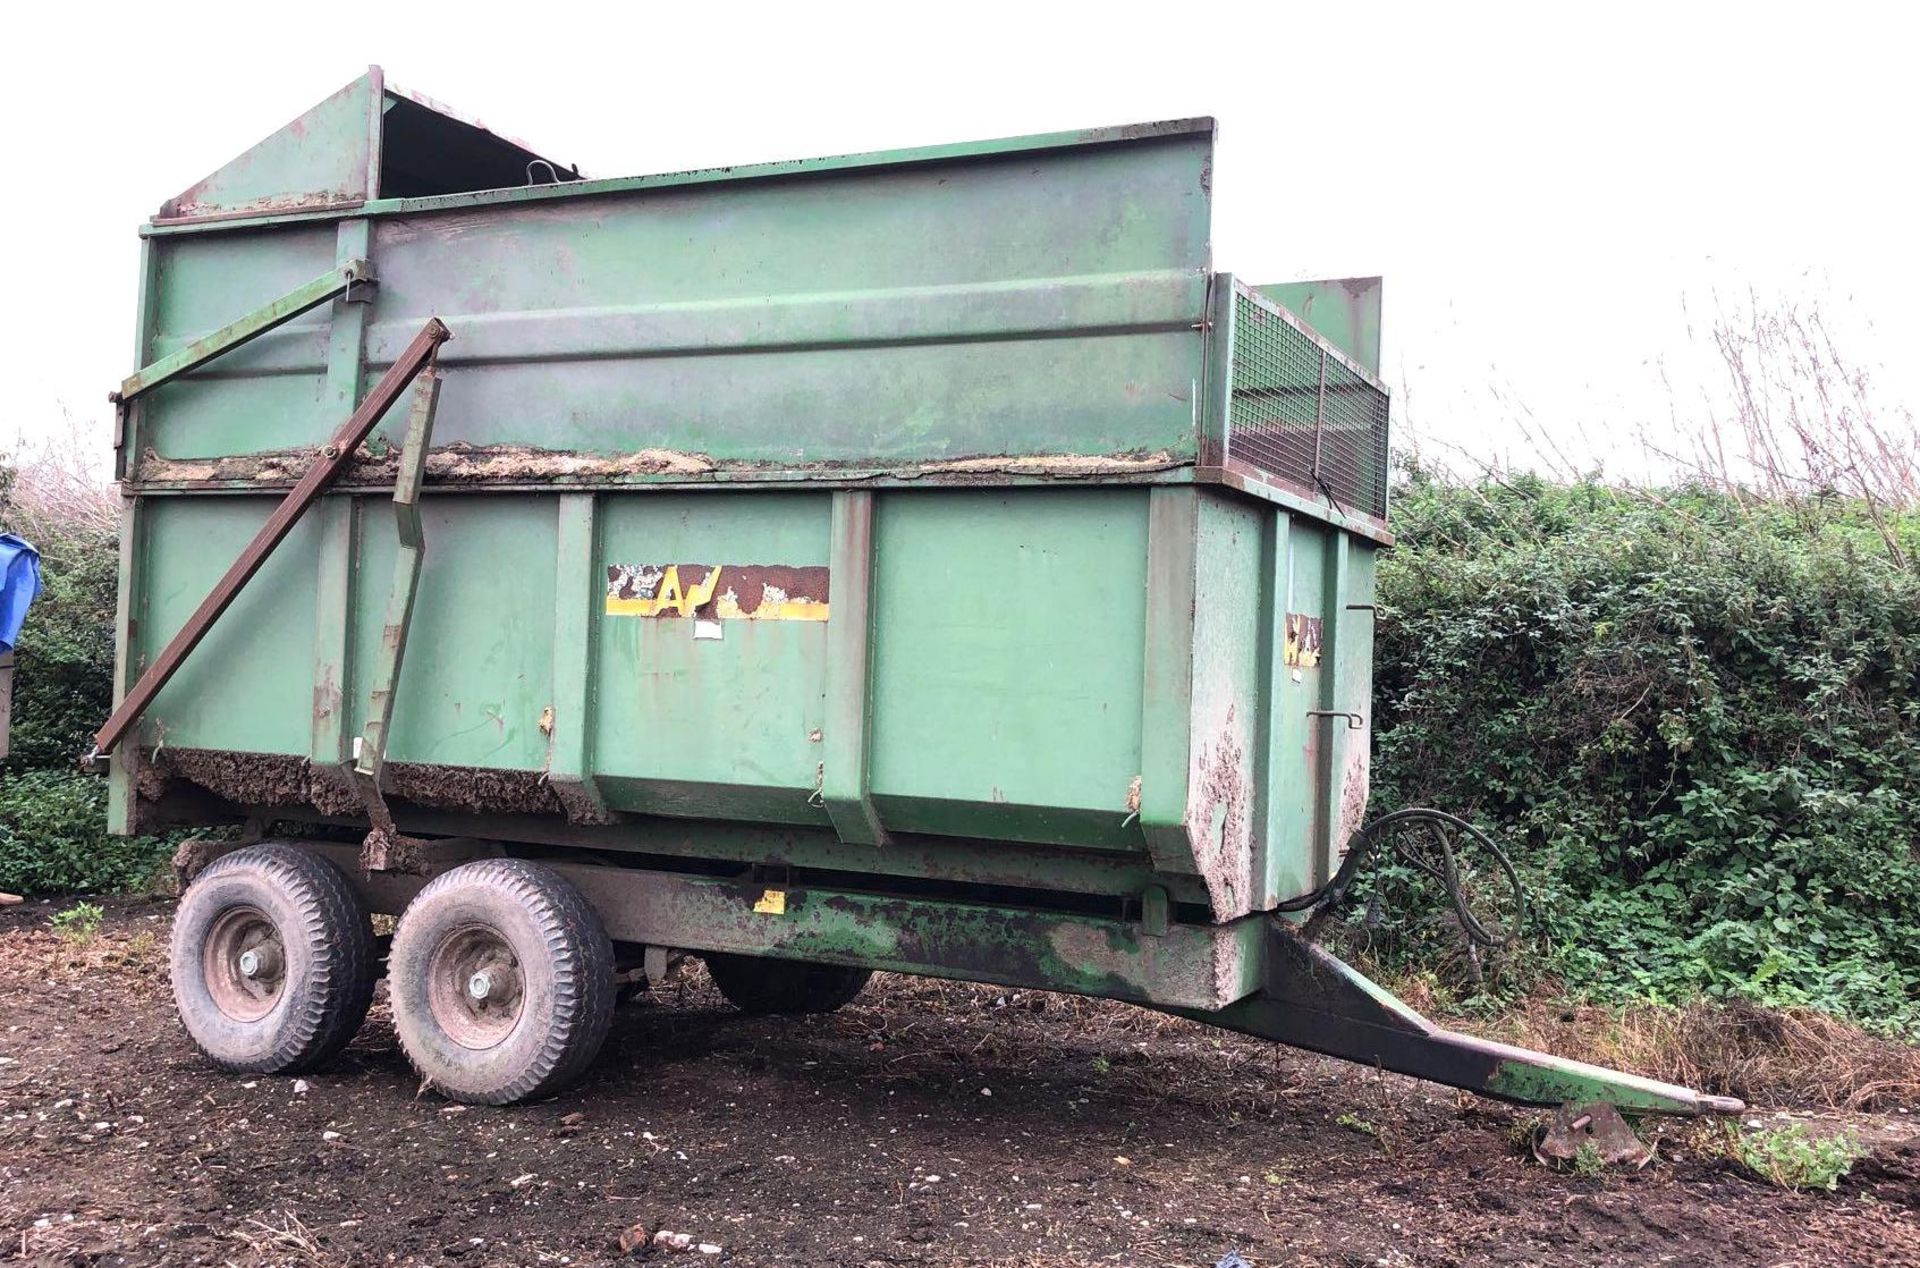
(1548, 189)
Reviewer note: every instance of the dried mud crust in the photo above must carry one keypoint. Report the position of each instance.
(926, 1123)
(464, 463)
(276, 779)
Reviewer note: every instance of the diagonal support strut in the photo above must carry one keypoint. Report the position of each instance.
(302, 299)
(334, 456)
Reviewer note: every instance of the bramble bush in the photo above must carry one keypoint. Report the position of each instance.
(53, 835)
(1694, 719)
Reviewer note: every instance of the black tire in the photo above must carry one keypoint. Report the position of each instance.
(304, 995)
(547, 1001)
(757, 984)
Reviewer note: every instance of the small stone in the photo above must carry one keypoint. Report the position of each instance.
(707, 1248)
(329, 1135)
(301, 1087)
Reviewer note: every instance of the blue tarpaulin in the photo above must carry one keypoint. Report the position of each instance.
(19, 583)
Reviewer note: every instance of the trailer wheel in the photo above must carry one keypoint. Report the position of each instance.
(502, 982)
(272, 960)
(756, 984)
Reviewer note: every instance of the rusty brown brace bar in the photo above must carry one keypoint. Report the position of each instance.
(338, 451)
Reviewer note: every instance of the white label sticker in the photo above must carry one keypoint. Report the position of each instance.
(707, 629)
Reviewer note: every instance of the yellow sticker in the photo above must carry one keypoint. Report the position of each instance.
(772, 903)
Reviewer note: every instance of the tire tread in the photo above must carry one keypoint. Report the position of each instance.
(582, 959)
(339, 936)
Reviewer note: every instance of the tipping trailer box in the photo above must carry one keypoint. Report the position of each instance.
(920, 561)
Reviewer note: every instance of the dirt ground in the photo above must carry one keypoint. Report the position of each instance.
(928, 1123)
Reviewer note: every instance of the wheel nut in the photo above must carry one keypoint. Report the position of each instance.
(479, 985)
(257, 962)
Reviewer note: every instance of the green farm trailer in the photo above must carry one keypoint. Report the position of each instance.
(920, 561)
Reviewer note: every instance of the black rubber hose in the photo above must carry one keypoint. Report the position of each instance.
(1363, 844)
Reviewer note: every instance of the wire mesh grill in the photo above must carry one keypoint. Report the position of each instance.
(1301, 415)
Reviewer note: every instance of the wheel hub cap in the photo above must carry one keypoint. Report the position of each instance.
(474, 987)
(244, 964)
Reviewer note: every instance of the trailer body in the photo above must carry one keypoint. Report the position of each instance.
(923, 560)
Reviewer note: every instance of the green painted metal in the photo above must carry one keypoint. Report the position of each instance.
(1183, 966)
(846, 769)
(410, 546)
(536, 193)
(301, 299)
(869, 530)
(324, 159)
(1346, 310)
(577, 599)
(1012, 663)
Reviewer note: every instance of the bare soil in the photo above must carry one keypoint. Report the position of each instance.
(927, 1123)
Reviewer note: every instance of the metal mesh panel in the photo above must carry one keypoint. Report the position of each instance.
(1302, 415)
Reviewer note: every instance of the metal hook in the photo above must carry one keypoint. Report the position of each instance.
(552, 171)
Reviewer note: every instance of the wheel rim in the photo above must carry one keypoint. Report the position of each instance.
(244, 964)
(475, 987)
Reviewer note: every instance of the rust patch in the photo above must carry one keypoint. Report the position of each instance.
(1353, 792)
(1217, 822)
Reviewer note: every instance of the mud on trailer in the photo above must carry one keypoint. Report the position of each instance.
(920, 561)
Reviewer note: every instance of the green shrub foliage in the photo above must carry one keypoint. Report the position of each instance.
(1695, 720)
(53, 835)
(63, 668)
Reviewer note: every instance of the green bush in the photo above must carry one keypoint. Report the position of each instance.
(52, 817)
(1695, 721)
(53, 837)
(63, 668)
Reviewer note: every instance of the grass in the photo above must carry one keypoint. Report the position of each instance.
(1792, 1056)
